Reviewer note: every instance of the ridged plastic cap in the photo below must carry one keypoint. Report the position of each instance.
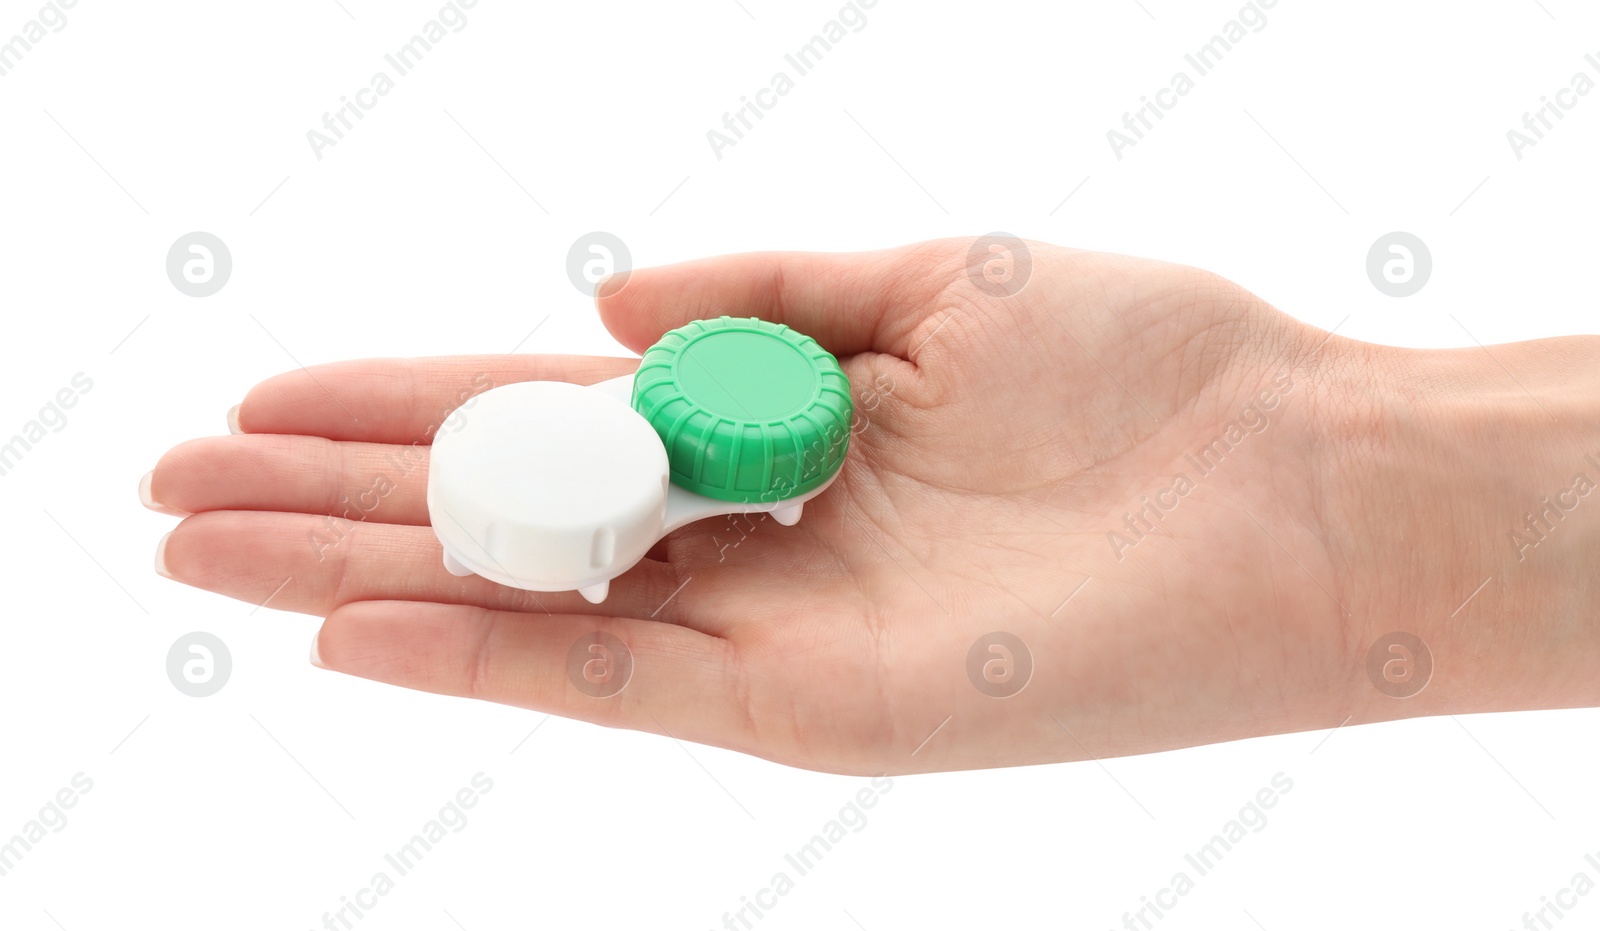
(748, 410)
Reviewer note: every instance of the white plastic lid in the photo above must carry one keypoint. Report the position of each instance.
(547, 486)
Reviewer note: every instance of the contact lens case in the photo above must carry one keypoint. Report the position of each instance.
(548, 486)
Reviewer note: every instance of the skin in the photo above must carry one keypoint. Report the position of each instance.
(1001, 441)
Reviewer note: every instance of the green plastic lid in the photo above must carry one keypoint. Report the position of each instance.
(749, 410)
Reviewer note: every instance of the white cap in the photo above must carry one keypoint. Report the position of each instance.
(547, 486)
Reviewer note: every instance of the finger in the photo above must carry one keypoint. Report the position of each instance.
(400, 401)
(672, 680)
(848, 302)
(310, 564)
(295, 474)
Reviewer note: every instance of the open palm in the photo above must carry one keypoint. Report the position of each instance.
(1005, 572)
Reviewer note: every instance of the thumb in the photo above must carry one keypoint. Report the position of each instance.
(850, 302)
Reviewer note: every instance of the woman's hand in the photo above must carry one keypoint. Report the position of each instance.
(1184, 516)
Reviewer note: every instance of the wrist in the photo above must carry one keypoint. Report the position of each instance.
(1471, 478)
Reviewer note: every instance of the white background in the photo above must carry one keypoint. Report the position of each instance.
(441, 224)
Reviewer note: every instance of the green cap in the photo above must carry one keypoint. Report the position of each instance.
(749, 410)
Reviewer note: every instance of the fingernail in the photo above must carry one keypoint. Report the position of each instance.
(233, 420)
(316, 653)
(147, 498)
(161, 556)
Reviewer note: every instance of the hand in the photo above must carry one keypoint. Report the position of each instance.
(1015, 468)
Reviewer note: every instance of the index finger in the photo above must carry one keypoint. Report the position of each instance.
(399, 400)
